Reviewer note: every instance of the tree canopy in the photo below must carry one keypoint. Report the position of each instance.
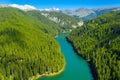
(26, 47)
(98, 41)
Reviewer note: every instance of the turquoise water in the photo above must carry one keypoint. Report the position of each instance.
(76, 67)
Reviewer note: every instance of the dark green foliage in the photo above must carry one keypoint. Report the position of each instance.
(26, 49)
(98, 40)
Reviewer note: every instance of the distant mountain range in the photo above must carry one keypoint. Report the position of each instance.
(83, 13)
(87, 14)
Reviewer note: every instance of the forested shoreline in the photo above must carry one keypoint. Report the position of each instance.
(98, 42)
(91, 65)
(27, 46)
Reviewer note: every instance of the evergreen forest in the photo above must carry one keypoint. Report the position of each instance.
(98, 41)
(27, 47)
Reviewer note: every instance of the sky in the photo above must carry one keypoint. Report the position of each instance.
(64, 4)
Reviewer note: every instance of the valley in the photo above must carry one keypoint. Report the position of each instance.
(79, 44)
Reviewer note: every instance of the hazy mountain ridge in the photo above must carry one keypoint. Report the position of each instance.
(81, 12)
(87, 14)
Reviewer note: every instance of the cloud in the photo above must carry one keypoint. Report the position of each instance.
(50, 9)
(23, 7)
(29, 7)
(57, 9)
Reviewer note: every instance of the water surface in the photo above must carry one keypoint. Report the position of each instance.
(76, 67)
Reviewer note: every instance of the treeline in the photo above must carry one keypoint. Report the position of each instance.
(98, 41)
(26, 49)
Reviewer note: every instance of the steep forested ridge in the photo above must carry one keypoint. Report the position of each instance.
(56, 20)
(38, 15)
(64, 22)
(98, 40)
(8, 14)
(26, 49)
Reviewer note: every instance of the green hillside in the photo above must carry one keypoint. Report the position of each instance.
(37, 14)
(11, 14)
(98, 40)
(26, 49)
(59, 19)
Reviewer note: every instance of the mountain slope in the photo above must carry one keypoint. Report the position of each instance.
(26, 49)
(38, 15)
(98, 40)
(64, 21)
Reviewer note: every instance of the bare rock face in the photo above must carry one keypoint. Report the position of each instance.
(87, 14)
(81, 12)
